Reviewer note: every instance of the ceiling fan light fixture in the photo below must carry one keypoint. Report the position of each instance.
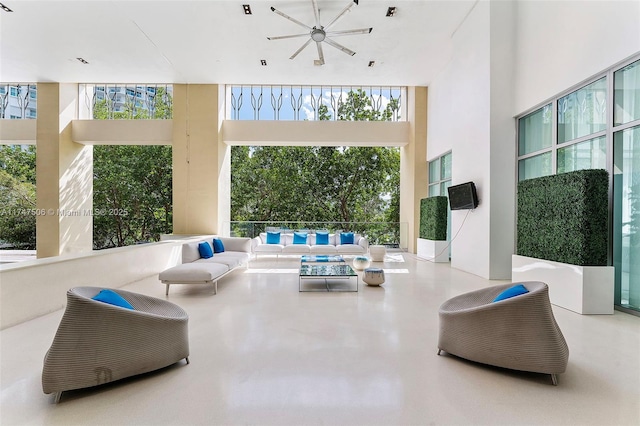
(247, 9)
(5, 8)
(82, 61)
(391, 11)
(371, 63)
(263, 62)
(318, 34)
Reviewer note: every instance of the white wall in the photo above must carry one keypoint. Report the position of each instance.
(34, 288)
(562, 43)
(459, 120)
(507, 58)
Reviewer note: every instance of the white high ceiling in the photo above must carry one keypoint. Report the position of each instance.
(215, 42)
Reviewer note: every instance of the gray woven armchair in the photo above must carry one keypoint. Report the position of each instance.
(519, 333)
(98, 343)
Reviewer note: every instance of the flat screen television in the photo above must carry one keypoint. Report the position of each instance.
(463, 196)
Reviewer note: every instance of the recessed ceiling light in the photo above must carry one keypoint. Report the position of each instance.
(391, 11)
(82, 60)
(5, 8)
(263, 62)
(247, 9)
(372, 63)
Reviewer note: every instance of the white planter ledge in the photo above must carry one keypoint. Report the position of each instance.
(582, 289)
(434, 251)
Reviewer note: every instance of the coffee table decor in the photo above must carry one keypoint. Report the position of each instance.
(321, 259)
(361, 262)
(337, 277)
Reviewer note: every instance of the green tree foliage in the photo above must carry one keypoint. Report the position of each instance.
(327, 184)
(132, 185)
(18, 196)
(132, 194)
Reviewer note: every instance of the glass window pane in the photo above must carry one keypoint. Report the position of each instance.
(534, 167)
(626, 217)
(434, 170)
(434, 190)
(534, 131)
(626, 94)
(446, 166)
(443, 187)
(583, 112)
(590, 154)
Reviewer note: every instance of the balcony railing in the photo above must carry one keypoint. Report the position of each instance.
(309, 102)
(126, 101)
(389, 234)
(18, 100)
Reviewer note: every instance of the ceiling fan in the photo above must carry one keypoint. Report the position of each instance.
(320, 33)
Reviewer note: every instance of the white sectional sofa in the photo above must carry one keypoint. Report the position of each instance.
(196, 270)
(289, 243)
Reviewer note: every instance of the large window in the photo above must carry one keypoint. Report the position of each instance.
(579, 122)
(440, 180)
(596, 126)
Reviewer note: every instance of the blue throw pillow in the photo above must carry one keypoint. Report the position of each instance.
(112, 298)
(204, 248)
(516, 290)
(322, 238)
(346, 238)
(273, 238)
(218, 247)
(299, 238)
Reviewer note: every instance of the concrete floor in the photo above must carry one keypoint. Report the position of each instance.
(263, 353)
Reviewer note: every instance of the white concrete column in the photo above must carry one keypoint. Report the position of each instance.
(196, 166)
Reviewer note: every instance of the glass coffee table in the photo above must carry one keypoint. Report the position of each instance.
(335, 277)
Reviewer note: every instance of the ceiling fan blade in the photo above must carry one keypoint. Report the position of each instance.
(349, 32)
(341, 14)
(316, 12)
(301, 48)
(320, 60)
(285, 16)
(288, 36)
(339, 46)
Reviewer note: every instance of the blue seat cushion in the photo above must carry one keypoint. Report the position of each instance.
(218, 247)
(346, 238)
(205, 250)
(516, 290)
(112, 298)
(273, 238)
(322, 238)
(299, 238)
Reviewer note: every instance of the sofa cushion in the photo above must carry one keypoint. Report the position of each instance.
(218, 246)
(195, 272)
(190, 252)
(299, 238)
(346, 238)
(273, 238)
(268, 248)
(296, 249)
(323, 249)
(205, 250)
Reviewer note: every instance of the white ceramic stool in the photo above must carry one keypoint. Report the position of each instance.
(373, 276)
(377, 253)
(361, 262)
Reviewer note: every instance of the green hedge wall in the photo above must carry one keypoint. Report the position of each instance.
(433, 218)
(563, 217)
